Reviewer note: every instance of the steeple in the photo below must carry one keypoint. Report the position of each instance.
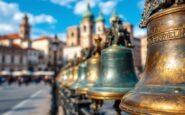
(114, 15)
(88, 14)
(100, 24)
(24, 31)
(100, 17)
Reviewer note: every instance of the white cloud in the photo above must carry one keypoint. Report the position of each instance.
(11, 17)
(66, 3)
(80, 7)
(42, 18)
(108, 7)
(138, 32)
(7, 28)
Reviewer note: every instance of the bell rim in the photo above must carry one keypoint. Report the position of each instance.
(81, 91)
(105, 95)
(116, 48)
(123, 108)
(136, 110)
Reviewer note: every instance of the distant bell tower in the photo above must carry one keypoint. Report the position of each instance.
(87, 28)
(24, 31)
(100, 24)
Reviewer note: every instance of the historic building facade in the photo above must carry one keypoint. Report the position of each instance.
(82, 36)
(13, 58)
(38, 51)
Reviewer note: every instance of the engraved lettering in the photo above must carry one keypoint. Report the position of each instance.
(168, 35)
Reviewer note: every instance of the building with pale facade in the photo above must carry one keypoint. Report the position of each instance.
(13, 58)
(82, 36)
(140, 53)
(38, 51)
(45, 44)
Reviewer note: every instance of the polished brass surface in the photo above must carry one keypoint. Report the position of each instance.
(82, 74)
(61, 76)
(93, 65)
(69, 75)
(74, 76)
(117, 74)
(161, 89)
(92, 74)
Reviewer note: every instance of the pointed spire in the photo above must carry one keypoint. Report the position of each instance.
(88, 13)
(88, 6)
(25, 20)
(114, 15)
(24, 30)
(25, 16)
(100, 17)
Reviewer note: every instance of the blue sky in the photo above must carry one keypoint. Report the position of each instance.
(48, 17)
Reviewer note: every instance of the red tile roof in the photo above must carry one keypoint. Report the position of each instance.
(43, 38)
(16, 46)
(10, 36)
(32, 49)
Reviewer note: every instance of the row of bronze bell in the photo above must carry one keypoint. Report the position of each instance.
(110, 74)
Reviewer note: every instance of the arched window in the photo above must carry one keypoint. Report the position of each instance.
(84, 28)
(72, 34)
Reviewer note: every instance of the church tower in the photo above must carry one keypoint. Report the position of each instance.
(87, 28)
(24, 31)
(100, 24)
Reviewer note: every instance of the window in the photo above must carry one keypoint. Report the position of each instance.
(21, 60)
(85, 28)
(72, 34)
(3, 59)
(12, 59)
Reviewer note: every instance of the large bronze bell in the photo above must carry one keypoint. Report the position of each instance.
(161, 89)
(92, 69)
(117, 74)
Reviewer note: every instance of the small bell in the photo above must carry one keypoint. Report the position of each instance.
(82, 71)
(67, 75)
(92, 69)
(74, 73)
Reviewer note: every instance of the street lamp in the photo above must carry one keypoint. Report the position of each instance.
(54, 48)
